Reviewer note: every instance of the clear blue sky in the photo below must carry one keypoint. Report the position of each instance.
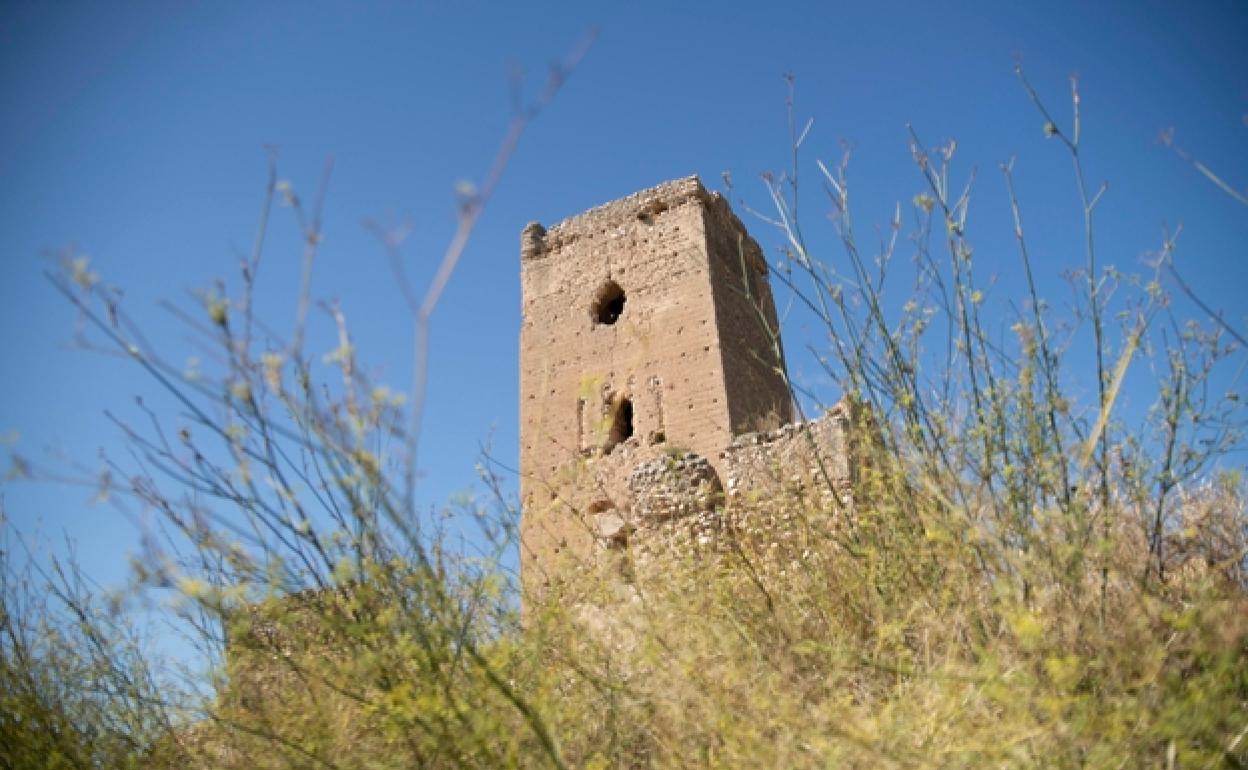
(135, 130)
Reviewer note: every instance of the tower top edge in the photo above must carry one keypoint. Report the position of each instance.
(537, 241)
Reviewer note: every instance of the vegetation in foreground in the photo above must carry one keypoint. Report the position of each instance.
(1025, 580)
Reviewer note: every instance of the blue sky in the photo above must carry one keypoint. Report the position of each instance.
(136, 131)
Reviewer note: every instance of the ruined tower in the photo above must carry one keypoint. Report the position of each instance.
(649, 331)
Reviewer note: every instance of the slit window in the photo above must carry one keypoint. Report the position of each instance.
(621, 428)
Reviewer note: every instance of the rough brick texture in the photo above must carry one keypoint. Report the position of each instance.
(648, 328)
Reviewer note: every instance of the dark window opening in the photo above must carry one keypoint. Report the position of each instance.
(621, 425)
(609, 304)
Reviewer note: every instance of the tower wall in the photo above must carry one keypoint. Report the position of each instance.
(648, 329)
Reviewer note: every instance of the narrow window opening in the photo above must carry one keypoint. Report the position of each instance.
(621, 425)
(657, 434)
(608, 304)
(581, 444)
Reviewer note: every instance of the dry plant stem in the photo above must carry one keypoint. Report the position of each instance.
(1173, 415)
(1088, 202)
(470, 212)
(138, 355)
(1215, 316)
(776, 354)
(1047, 358)
(251, 265)
(286, 499)
(1167, 138)
(311, 230)
(900, 383)
(954, 214)
(278, 524)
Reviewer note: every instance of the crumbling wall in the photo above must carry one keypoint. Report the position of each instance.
(653, 399)
(674, 486)
(776, 476)
(814, 461)
(647, 331)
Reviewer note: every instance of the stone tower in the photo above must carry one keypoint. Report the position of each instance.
(649, 331)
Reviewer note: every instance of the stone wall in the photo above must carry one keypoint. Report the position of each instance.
(648, 331)
(643, 507)
(814, 461)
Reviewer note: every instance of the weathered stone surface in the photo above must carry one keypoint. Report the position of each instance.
(648, 329)
(674, 486)
(655, 414)
(813, 460)
(612, 528)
